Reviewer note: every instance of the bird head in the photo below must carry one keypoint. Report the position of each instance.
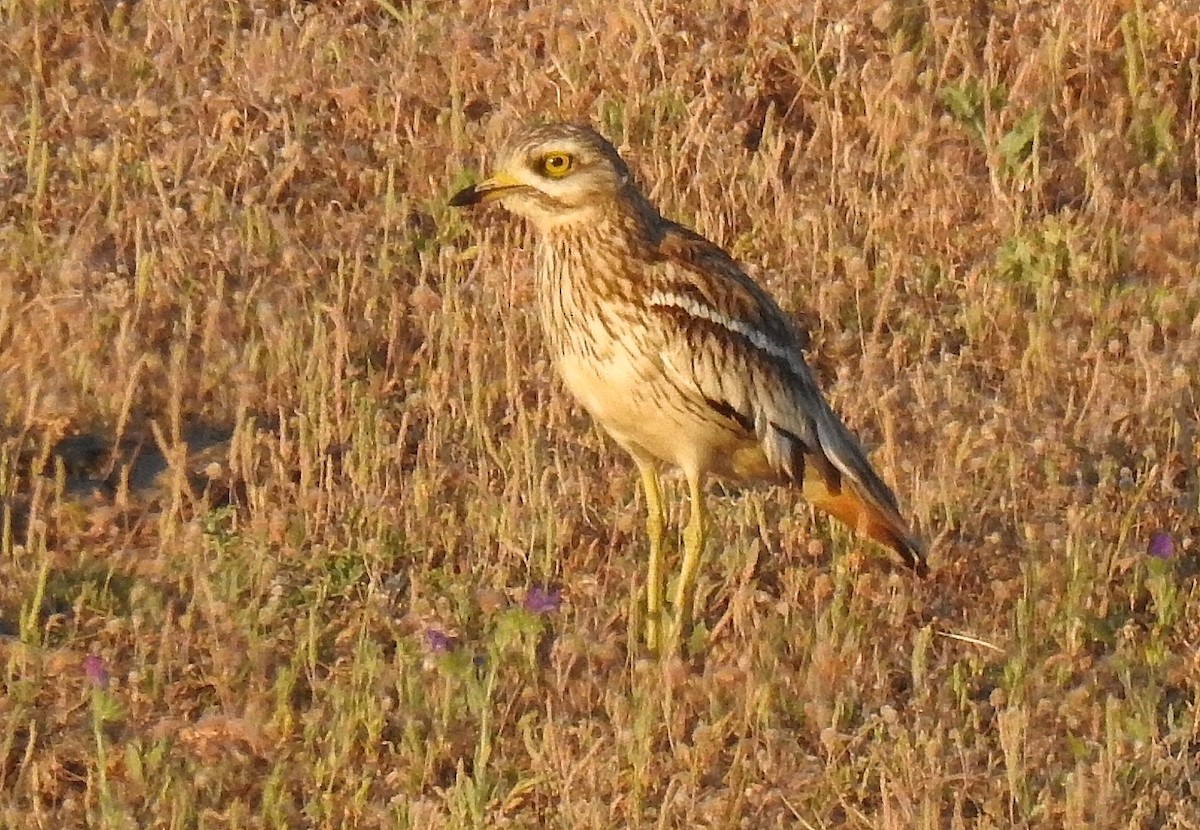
(553, 175)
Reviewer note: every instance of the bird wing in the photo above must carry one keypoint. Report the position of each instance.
(743, 359)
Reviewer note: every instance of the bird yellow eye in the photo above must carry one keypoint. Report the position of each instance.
(556, 165)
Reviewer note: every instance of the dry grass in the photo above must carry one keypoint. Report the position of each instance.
(279, 445)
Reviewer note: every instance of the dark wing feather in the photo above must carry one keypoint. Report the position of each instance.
(770, 386)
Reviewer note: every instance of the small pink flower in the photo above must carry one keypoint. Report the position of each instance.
(438, 642)
(95, 671)
(542, 600)
(1161, 546)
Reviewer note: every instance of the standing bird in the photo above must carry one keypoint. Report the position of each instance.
(676, 352)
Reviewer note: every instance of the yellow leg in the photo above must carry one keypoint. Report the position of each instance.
(654, 529)
(695, 535)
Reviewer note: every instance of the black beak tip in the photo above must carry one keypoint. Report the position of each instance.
(467, 196)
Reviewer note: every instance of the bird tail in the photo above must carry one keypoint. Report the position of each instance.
(866, 515)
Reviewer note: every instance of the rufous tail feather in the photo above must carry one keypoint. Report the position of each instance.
(874, 521)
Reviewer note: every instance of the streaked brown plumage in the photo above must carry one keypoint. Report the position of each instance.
(675, 351)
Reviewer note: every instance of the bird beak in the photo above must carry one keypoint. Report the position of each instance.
(488, 190)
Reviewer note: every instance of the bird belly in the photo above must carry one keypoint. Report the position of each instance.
(634, 402)
(612, 389)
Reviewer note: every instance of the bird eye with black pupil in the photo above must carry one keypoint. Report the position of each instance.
(557, 165)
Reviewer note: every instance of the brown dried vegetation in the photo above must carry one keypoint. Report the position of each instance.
(279, 444)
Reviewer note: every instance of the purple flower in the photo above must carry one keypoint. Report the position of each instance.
(95, 671)
(1161, 546)
(542, 600)
(438, 642)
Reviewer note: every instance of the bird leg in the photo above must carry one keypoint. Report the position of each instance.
(695, 535)
(654, 529)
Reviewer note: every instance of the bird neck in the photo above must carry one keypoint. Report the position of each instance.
(611, 225)
(577, 251)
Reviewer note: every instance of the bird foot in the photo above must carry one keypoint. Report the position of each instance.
(677, 635)
(654, 632)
